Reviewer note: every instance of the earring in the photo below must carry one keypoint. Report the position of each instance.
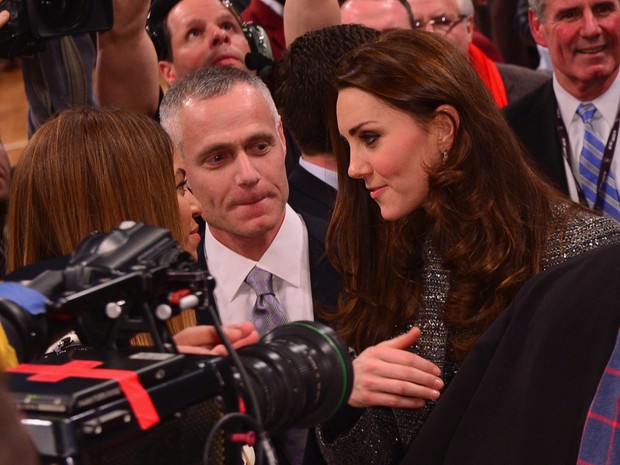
(444, 155)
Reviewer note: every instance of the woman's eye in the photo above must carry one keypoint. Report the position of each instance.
(369, 137)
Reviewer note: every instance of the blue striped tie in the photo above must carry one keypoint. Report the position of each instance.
(590, 165)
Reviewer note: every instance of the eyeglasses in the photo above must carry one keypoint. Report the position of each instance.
(442, 24)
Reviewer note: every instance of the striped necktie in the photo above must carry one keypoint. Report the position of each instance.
(268, 312)
(590, 162)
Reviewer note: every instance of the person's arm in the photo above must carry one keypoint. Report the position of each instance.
(301, 16)
(385, 375)
(127, 74)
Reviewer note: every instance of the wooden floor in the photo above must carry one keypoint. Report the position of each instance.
(13, 110)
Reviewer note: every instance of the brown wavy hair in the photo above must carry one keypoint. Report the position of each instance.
(488, 211)
(85, 170)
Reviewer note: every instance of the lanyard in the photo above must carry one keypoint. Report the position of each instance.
(608, 156)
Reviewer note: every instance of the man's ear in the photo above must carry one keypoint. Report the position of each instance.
(445, 125)
(167, 71)
(282, 136)
(470, 26)
(537, 28)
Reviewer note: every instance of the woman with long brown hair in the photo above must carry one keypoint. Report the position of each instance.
(439, 221)
(86, 170)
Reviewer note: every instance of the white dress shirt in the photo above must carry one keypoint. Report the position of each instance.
(287, 258)
(607, 105)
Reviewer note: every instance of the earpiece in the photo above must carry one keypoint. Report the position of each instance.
(260, 57)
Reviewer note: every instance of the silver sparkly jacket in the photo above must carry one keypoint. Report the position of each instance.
(382, 435)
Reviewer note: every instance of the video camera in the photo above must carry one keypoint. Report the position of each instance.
(34, 21)
(106, 401)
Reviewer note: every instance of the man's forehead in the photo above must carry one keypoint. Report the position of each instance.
(424, 8)
(210, 7)
(241, 103)
(566, 4)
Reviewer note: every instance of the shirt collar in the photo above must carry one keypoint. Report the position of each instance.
(606, 103)
(327, 176)
(283, 258)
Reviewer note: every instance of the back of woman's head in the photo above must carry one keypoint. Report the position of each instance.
(86, 170)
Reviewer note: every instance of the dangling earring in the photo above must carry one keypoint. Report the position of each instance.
(444, 155)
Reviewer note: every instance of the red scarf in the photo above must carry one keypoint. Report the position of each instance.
(488, 72)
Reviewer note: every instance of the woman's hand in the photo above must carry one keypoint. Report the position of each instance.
(205, 340)
(388, 375)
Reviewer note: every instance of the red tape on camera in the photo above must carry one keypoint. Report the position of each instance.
(136, 395)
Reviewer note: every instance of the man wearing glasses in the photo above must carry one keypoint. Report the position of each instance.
(455, 20)
(452, 18)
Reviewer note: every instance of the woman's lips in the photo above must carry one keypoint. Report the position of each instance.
(376, 191)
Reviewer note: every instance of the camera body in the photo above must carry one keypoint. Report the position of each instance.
(34, 21)
(111, 402)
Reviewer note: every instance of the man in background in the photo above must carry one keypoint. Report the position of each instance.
(569, 125)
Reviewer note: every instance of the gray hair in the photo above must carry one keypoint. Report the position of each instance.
(203, 84)
(466, 7)
(538, 7)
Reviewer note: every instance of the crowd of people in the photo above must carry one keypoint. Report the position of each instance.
(381, 166)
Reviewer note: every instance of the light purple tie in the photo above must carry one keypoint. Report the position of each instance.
(268, 312)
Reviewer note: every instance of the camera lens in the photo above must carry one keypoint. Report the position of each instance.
(63, 15)
(301, 374)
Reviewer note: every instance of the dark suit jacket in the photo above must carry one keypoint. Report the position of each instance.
(533, 119)
(520, 81)
(314, 200)
(523, 392)
(309, 195)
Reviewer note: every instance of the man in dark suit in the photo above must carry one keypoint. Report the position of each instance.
(584, 47)
(227, 129)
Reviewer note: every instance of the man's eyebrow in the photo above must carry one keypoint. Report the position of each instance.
(269, 136)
